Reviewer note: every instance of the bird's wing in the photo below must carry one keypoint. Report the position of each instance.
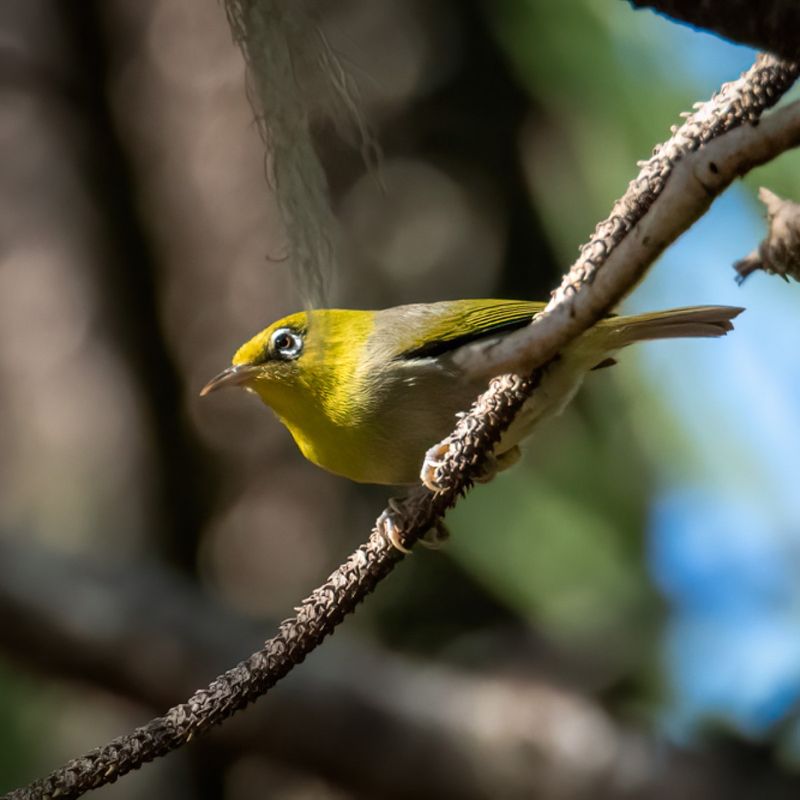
(449, 325)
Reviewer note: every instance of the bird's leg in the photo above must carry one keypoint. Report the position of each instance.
(388, 527)
(432, 539)
(434, 458)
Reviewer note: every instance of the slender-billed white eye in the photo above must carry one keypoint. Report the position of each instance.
(286, 343)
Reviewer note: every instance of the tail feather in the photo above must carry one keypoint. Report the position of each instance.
(677, 323)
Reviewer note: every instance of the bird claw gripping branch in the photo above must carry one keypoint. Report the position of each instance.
(391, 531)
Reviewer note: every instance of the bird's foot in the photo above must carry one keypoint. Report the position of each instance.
(391, 531)
(430, 474)
(389, 528)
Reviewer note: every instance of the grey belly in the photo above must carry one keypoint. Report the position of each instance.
(423, 413)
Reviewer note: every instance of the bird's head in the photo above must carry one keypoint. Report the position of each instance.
(272, 358)
(303, 364)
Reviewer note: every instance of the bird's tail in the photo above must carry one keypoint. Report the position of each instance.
(676, 323)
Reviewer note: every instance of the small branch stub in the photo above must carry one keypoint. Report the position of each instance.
(779, 252)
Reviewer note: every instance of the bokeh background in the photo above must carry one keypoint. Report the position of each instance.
(619, 616)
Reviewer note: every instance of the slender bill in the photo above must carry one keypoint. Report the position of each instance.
(233, 376)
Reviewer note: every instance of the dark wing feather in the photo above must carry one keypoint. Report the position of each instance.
(454, 324)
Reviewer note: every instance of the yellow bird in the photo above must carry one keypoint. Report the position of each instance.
(366, 393)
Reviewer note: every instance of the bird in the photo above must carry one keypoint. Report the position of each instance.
(366, 393)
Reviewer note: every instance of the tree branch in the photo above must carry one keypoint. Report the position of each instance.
(721, 140)
(770, 25)
(615, 258)
(159, 636)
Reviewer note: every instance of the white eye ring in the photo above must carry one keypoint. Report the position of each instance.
(286, 343)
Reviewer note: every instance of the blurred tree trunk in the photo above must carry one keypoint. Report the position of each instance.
(132, 285)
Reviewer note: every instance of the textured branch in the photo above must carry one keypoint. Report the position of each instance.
(616, 257)
(770, 25)
(721, 140)
(338, 710)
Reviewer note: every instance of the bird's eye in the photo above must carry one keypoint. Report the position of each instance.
(286, 343)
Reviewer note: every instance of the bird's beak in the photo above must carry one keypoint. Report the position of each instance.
(233, 376)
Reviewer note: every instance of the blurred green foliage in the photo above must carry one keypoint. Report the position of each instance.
(22, 711)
